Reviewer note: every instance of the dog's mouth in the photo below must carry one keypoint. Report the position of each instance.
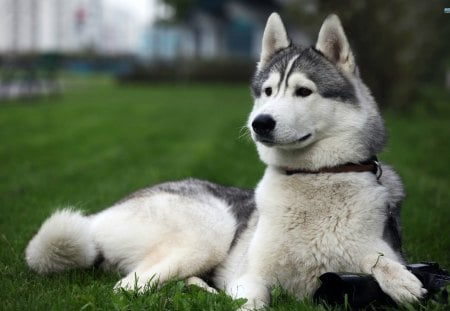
(307, 136)
(271, 142)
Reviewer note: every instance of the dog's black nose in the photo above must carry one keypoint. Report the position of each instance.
(263, 124)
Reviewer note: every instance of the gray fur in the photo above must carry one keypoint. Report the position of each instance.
(330, 81)
(392, 229)
(277, 63)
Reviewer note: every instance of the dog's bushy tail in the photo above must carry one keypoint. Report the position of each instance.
(63, 242)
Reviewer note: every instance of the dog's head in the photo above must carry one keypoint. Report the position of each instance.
(311, 108)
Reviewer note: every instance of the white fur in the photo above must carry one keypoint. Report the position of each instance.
(393, 278)
(196, 281)
(149, 238)
(64, 241)
(152, 238)
(333, 131)
(310, 224)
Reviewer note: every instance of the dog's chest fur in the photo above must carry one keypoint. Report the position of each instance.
(317, 223)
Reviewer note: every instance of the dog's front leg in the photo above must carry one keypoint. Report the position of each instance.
(260, 272)
(394, 279)
(253, 288)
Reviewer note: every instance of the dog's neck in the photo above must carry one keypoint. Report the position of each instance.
(330, 152)
(371, 165)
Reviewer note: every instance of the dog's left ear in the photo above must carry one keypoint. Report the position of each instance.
(333, 43)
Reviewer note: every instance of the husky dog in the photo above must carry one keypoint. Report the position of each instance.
(323, 204)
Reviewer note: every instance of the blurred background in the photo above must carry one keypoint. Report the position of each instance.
(402, 46)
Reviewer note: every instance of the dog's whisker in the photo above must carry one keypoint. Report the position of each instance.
(244, 133)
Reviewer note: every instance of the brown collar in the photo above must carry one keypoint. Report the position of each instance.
(371, 165)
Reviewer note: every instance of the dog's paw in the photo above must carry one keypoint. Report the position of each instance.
(400, 284)
(196, 281)
(252, 289)
(130, 283)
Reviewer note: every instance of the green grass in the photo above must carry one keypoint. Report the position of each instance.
(100, 141)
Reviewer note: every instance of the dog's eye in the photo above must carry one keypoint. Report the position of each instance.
(303, 92)
(268, 91)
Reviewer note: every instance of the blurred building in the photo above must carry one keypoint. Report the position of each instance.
(67, 26)
(214, 29)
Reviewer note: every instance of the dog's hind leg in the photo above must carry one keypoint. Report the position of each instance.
(181, 242)
(193, 280)
(176, 262)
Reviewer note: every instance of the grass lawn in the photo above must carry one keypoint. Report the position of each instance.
(100, 141)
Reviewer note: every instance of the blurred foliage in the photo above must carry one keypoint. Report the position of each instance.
(198, 70)
(217, 7)
(399, 44)
(182, 7)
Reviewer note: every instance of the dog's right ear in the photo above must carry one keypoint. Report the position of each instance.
(275, 38)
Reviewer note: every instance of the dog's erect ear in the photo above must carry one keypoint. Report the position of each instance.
(275, 38)
(333, 43)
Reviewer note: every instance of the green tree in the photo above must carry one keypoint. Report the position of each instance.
(181, 7)
(399, 44)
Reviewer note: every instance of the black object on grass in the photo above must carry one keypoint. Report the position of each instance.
(361, 290)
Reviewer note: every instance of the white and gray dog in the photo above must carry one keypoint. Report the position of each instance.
(323, 204)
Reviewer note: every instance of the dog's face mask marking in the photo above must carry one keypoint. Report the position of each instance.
(279, 115)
